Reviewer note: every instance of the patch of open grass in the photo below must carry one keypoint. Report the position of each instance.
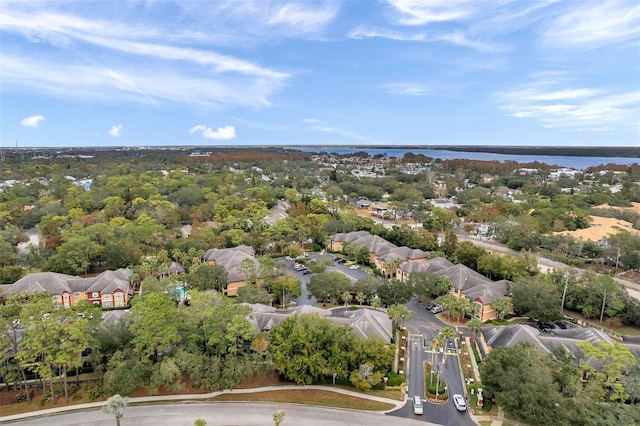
(486, 422)
(309, 396)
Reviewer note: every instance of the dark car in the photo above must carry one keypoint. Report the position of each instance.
(306, 272)
(563, 325)
(552, 326)
(543, 327)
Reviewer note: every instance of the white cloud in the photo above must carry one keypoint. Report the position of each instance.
(303, 17)
(593, 24)
(350, 134)
(115, 131)
(134, 83)
(584, 109)
(407, 89)
(420, 12)
(186, 73)
(32, 121)
(222, 133)
(362, 32)
(312, 120)
(458, 38)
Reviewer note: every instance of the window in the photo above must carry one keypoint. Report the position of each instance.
(107, 304)
(76, 294)
(95, 294)
(54, 298)
(119, 305)
(118, 295)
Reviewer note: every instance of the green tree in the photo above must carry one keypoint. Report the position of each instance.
(285, 286)
(328, 285)
(474, 325)
(468, 254)
(427, 284)
(251, 293)
(501, 307)
(308, 347)
(154, 326)
(536, 298)
(522, 382)
(394, 292)
(614, 358)
(278, 417)
(398, 314)
(207, 277)
(115, 406)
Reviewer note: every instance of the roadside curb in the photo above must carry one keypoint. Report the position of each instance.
(199, 397)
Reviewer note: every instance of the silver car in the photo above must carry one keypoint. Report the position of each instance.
(459, 402)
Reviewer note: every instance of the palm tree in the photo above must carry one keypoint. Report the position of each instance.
(115, 406)
(474, 325)
(346, 298)
(361, 298)
(448, 302)
(398, 314)
(278, 417)
(501, 306)
(474, 309)
(435, 345)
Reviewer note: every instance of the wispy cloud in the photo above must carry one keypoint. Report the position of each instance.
(115, 131)
(363, 32)
(222, 133)
(584, 109)
(349, 134)
(593, 24)
(420, 12)
(407, 89)
(304, 18)
(133, 83)
(32, 121)
(458, 38)
(203, 75)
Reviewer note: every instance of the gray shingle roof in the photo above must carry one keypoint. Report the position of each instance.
(230, 259)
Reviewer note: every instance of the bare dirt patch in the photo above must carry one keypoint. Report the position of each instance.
(600, 228)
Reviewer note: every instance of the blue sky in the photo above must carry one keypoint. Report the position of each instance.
(397, 72)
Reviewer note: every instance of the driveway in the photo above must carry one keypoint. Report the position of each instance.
(423, 326)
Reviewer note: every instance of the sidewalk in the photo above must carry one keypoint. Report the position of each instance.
(197, 397)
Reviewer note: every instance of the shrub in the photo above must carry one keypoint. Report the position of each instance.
(395, 379)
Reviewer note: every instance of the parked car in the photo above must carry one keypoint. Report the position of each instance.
(306, 272)
(430, 305)
(459, 402)
(354, 267)
(436, 309)
(418, 408)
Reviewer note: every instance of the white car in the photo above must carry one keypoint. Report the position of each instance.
(418, 408)
(459, 402)
(353, 267)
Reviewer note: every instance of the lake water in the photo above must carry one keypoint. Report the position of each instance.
(579, 163)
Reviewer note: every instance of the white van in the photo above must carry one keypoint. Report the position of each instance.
(418, 408)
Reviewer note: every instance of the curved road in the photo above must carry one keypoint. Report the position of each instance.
(220, 414)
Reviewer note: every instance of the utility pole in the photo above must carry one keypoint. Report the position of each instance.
(564, 292)
(604, 300)
(617, 260)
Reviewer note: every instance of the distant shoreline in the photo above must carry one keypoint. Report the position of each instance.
(554, 151)
(570, 151)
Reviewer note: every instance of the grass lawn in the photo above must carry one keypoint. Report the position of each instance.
(309, 396)
(486, 422)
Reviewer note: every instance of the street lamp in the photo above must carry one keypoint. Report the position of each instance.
(334, 378)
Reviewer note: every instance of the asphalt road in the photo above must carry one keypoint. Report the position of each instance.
(219, 414)
(424, 324)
